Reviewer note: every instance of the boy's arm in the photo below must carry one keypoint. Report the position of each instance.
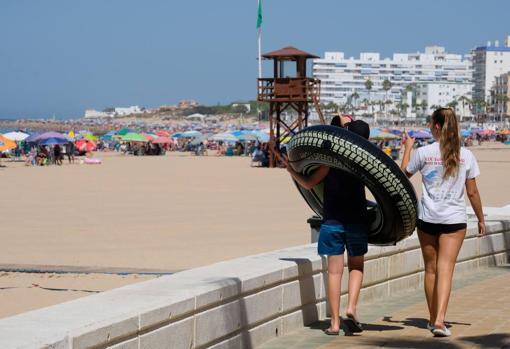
(308, 182)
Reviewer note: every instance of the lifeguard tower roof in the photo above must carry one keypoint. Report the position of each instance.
(288, 54)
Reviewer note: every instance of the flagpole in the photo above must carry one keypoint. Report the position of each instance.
(259, 34)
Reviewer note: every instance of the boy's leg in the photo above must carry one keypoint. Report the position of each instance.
(335, 270)
(357, 247)
(355, 281)
(331, 244)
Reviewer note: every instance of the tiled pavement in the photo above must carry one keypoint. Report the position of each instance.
(478, 313)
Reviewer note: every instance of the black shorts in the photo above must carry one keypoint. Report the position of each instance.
(436, 229)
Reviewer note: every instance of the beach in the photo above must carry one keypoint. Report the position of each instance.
(165, 213)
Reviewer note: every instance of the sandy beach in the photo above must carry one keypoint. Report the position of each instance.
(165, 213)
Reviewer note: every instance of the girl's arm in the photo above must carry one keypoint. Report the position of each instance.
(476, 203)
(408, 143)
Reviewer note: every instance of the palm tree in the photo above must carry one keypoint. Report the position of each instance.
(354, 97)
(386, 85)
(368, 86)
(453, 104)
(463, 101)
(404, 106)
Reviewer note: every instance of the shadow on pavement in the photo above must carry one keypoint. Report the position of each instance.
(420, 322)
(495, 340)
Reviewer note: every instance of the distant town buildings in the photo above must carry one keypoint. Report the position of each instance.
(345, 78)
(489, 62)
(501, 95)
(431, 95)
(125, 111)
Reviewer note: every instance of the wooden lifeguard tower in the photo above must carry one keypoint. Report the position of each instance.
(282, 92)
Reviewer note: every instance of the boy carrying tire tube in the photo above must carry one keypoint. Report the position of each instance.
(344, 228)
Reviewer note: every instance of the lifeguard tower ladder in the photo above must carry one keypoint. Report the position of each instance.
(282, 92)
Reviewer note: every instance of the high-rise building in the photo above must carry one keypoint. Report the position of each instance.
(488, 62)
(430, 95)
(343, 79)
(501, 96)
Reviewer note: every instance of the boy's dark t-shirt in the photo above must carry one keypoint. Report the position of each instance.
(344, 198)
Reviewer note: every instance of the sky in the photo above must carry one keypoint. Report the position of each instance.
(60, 57)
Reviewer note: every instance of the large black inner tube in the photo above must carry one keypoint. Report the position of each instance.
(393, 216)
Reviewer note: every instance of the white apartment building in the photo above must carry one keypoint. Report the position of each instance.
(341, 76)
(501, 96)
(441, 94)
(128, 110)
(489, 62)
(95, 114)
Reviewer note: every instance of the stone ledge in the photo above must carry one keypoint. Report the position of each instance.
(241, 302)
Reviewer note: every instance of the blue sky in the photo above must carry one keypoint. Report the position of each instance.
(61, 57)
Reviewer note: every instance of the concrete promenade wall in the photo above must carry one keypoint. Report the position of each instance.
(239, 303)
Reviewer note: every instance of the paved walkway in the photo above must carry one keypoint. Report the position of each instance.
(478, 313)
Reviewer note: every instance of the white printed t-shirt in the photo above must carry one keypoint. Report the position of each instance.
(442, 200)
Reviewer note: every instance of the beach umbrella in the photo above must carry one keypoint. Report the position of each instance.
(90, 137)
(381, 135)
(16, 136)
(124, 132)
(485, 132)
(149, 137)
(47, 135)
(247, 137)
(6, 143)
(465, 133)
(395, 132)
(163, 133)
(421, 134)
(261, 136)
(177, 135)
(85, 145)
(191, 134)
(134, 137)
(162, 140)
(53, 141)
(71, 134)
(504, 132)
(108, 136)
(225, 136)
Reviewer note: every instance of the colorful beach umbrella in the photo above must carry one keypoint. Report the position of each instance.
(6, 143)
(85, 145)
(16, 136)
(420, 134)
(163, 133)
(90, 137)
(225, 137)
(191, 134)
(149, 137)
(381, 135)
(134, 137)
(162, 140)
(53, 141)
(46, 135)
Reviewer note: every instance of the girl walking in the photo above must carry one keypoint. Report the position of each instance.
(447, 172)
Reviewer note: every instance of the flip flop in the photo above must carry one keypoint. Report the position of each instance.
(352, 324)
(331, 333)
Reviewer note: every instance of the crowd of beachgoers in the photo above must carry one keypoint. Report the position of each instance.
(40, 148)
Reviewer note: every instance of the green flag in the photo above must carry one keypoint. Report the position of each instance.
(259, 16)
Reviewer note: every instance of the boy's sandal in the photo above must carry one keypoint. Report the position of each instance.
(352, 324)
(331, 333)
